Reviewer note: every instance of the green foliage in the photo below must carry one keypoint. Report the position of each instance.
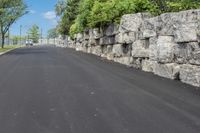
(10, 11)
(68, 16)
(52, 33)
(82, 19)
(60, 7)
(81, 14)
(98, 13)
(16, 39)
(33, 33)
(107, 12)
(174, 6)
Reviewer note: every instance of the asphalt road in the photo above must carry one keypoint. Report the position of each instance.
(53, 90)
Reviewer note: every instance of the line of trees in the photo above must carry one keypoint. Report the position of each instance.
(10, 11)
(77, 15)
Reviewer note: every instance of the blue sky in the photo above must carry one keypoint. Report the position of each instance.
(41, 12)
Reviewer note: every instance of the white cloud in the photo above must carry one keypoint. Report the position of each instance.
(50, 15)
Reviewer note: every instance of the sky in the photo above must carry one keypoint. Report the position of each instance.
(41, 13)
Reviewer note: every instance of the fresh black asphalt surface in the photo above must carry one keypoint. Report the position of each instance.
(44, 89)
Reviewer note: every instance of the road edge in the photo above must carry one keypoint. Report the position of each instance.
(2, 53)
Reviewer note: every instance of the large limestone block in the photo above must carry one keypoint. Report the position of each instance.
(140, 49)
(96, 50)
(109, 48)
(137, 63)
(109, 55)
(86, 35)
(92, 41)
(79, 37)
(167, 24)
(127, 37)
(120, 50)
(186, 32)
(106, 50)
(85, 43)
(78, 46)
(170, 70)
(188, 53)
(166, 48)
(195, 57)
(97, 33)
(107, 40)
(132, 22)
(173, 23)
(148, 66)
(89, 49)
(150, 27)
(124, 60)
(190, 74)
(182, 53)
(111, 30)
(117, 50)
(81, 48)
(188, 15)
(153, 49)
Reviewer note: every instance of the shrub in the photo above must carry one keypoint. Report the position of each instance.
(111, 11)
(174, 6)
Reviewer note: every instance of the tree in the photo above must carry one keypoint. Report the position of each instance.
(33, 33)
(52, 33)
(10, 11)
(60, 7)
(68, 15)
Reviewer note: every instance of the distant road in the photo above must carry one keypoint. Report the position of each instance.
(45, 89)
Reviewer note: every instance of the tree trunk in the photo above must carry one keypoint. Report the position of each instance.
(2, 40)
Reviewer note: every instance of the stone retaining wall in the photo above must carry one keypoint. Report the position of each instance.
(167, 45)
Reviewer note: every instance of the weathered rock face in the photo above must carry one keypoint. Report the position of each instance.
(153, 49)
(166, 48)
(140, 49)
(132, 22)
(186, 32)
(97, 33)
(190, 74)
(127, 37)
(107, 40)
(125, 60)
(148, 66)
(111, 30)
(167, 45)
(188, 53)
(118, 50)
(170, 71)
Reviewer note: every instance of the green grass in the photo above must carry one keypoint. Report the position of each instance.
(9, 47)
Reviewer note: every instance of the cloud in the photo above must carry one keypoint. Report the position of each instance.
(50, 15)
(32, 11)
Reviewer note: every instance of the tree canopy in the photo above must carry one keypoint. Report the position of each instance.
(33, 33)
(52, 33)
(10, 11)
(77, 15)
